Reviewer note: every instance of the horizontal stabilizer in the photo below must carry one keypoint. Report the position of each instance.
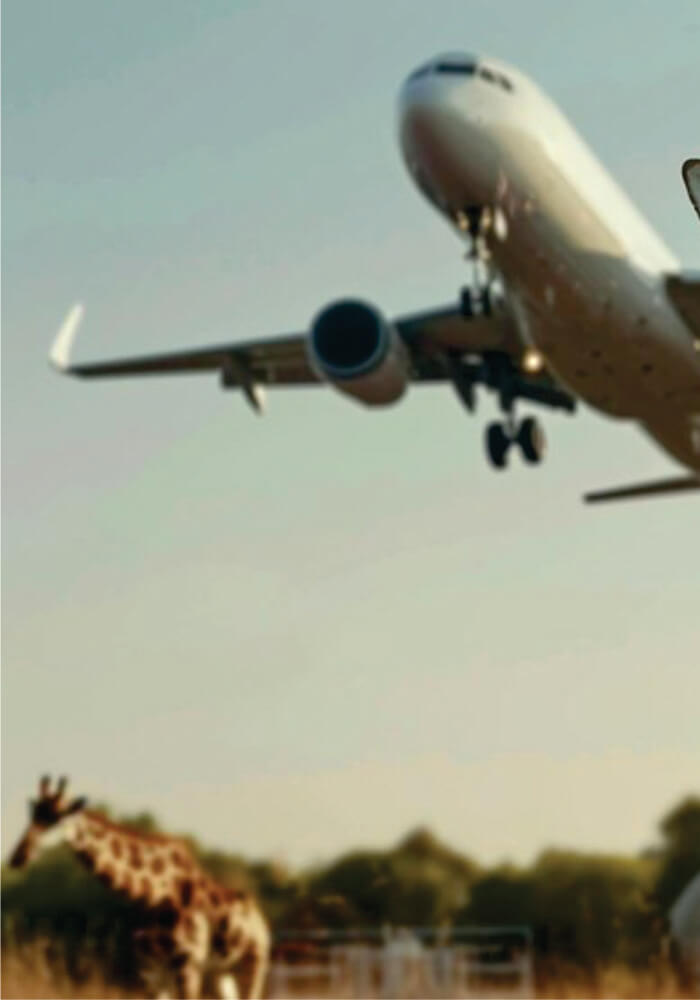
(691, 176)
(678, 485)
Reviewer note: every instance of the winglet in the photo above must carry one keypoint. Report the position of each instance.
(60, 352)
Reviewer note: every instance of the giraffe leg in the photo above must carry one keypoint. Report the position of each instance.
(225, 987)
(153, 982)
(259, 963)
(189, 982)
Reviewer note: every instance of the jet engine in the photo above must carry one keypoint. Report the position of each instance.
(355, 349)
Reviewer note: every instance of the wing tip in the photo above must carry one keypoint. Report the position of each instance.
(60, 353)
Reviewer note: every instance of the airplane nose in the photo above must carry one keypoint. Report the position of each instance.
(420, 89)
(436, 98)
(441, 133)
(431, 115)
(443, 75)
(422, 105)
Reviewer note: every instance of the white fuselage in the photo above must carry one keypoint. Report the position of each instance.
(584, 273)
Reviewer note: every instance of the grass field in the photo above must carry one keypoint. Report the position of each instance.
(33, 972)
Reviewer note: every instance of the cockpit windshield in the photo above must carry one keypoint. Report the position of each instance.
(457, 63)
(463, 66)
(494, 76)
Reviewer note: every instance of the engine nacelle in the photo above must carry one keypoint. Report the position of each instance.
(354, 348)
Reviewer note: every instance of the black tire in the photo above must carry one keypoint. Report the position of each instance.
(532, 440)
(497, 445)
(467, 303)
(475, 304)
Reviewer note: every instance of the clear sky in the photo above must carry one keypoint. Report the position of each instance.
(297, 634)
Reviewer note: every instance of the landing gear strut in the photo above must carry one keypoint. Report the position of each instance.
(497, 370)
(475, 222)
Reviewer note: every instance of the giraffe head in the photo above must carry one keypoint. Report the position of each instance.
(49, 821)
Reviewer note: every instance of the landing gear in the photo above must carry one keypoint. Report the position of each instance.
(532, 440)
(498, 442)
(496, 370)
(476, 302)
(500, 437)
(475, 222)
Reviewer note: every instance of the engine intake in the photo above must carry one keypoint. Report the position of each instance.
(354, 348)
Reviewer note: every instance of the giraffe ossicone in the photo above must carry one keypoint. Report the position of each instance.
(192, 932)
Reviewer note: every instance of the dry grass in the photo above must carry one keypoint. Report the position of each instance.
(31, 972)
(614, 983)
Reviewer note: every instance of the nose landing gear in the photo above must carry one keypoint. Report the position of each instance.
(475, 222)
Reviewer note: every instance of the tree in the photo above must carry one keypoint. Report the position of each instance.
(679, 855)
(420, 882)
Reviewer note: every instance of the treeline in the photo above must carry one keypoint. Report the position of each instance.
(586, 910)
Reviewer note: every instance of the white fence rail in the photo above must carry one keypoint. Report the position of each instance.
(463, 962)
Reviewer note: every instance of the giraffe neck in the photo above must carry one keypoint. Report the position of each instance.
(143, 868)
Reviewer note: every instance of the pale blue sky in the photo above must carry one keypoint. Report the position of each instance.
(294, 634)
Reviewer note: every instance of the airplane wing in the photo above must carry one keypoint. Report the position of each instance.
(442, 345)
(248, 365)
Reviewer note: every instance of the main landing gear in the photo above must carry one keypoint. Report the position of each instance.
(501, 436)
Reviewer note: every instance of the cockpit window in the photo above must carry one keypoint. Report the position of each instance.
(492, 76)
(421, 71)
(462, 66)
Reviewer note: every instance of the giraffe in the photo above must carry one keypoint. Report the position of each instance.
(191, 931)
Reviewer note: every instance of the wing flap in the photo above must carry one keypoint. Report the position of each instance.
(446, 328)
(275, 362)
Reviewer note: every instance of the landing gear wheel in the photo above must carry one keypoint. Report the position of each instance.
(497, 444)
(475, 302)
(532, 440)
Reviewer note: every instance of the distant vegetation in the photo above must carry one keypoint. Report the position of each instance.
(587, 911)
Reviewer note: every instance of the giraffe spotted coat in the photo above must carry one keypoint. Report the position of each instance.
(192, 932)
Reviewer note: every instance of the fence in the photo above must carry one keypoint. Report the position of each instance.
(459, 962)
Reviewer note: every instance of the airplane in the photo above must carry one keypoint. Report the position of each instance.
(572, 296)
